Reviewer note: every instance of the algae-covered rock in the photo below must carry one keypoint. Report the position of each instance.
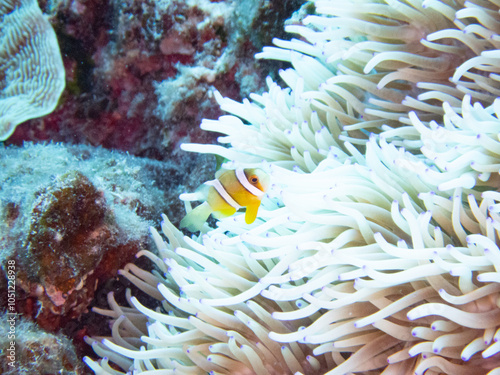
(35, 351)
(71, 216)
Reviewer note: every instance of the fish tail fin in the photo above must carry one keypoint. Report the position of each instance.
(194, 219)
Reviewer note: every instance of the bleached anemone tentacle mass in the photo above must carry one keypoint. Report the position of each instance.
(376, 248)
(379, 59)
(347, 270)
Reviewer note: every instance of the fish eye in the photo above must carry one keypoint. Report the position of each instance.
(254, 179)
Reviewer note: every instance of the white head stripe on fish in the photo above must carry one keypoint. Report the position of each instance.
(242, 178)
(223, 193)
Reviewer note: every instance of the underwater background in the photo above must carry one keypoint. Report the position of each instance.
(375, 249)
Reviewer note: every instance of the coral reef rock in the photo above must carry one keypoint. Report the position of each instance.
(70, 216)
(35, 351)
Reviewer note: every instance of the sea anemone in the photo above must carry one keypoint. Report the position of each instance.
(376, 248)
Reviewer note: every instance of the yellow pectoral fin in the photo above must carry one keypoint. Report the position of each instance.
(195, 219)
(220, 214)
(251, 213)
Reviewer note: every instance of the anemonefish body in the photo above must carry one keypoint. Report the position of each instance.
(231, 190)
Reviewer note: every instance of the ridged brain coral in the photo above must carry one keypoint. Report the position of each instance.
(376, 250)
(32, 76)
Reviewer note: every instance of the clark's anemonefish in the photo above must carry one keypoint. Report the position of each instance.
(231, 190)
